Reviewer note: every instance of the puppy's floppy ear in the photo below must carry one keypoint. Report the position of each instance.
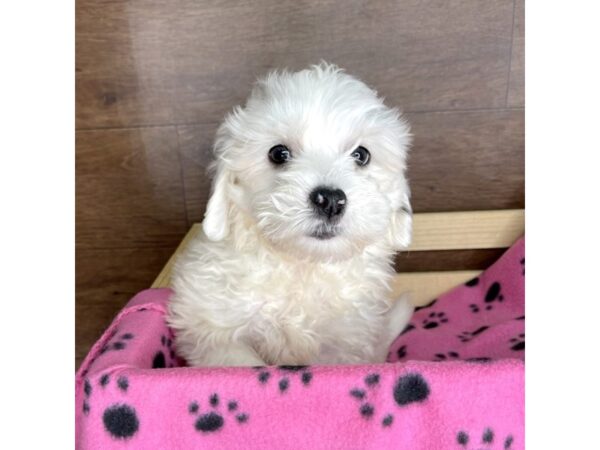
(400, 230)
(216, 218)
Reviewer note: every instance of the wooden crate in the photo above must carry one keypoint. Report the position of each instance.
(466, 230)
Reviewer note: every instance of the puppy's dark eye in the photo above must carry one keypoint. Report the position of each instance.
(361, 156)
(280, 154)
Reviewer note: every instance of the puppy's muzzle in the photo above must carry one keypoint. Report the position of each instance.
(328, 202)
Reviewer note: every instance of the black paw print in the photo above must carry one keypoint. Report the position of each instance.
(492, 295)
(409, 388)
(473, 282)
(446, 356)
(434, 320)
(401, 352)
(213, 420)
(119, 343)
(304, 373)
(522, 266)
(466, 336)
(518, 343)
(159, 360)
(366, 409)
(487, 437)
(120, 419)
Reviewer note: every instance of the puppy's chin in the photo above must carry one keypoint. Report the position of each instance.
(319, 246)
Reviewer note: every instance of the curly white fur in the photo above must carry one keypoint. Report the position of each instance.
(255, 288)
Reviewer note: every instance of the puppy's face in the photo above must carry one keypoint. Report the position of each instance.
(317, 162)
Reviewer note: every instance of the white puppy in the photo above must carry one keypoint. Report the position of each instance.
(309, 205)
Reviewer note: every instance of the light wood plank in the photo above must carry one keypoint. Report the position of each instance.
(467, 230)
(423, 287)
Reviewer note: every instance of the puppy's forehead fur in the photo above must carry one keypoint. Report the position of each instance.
(321, 109)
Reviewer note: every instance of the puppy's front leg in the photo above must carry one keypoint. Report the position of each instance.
(233, 354)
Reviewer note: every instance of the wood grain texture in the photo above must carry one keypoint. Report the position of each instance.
(467, 230)
(195, 143)
(129, 192)
(105, 281)
(124, 66)
(146, 62)
(469, 160)
(421, 55)
(516, 88)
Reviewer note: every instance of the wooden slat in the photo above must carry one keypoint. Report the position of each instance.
(432, 231)
(516, 89)
(426, 286)
(467, 230)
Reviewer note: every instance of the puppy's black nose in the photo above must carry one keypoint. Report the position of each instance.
(328, 202)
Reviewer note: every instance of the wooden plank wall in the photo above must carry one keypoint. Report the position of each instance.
(154, 79)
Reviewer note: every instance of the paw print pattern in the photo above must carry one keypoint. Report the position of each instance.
(212, 420)
(285, 372)
(446, 356)
(408, 389)
(365, 408)
(87, 391)
(159, 360)
(117, 344)
(434, 320)
(517, 344)
(492, 295)
(474, 308)
(120, 420)
(487, 437)
(466, 336)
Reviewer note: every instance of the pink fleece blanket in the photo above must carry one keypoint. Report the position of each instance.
(454, 380)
